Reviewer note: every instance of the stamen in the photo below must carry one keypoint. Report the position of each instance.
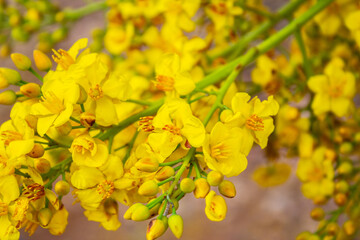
(255, 123)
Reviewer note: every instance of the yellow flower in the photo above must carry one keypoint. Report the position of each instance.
(352, 23)
(106, 214)
(222, 13)
(170, 78)
(173, 124)
(223, 150)
(95, 185)
(272, 175)
(333, 90)
(9, 193)
(216, 207)
(317, 174)
(118, 39)
(87, 151)
(254, 117)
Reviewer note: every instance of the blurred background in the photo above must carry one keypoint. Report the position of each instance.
(278, 213)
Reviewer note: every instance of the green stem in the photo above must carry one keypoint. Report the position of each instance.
(165, 181)
(18, 172)
(265, 46)
(159, 199)
(181, 170)
(36, 74)
(240, 46)
(144, 103)
(75, 120)
(306, 60)
(197, 169)
(171, 163)
(131, 144)
(75, 14)
(256, 11)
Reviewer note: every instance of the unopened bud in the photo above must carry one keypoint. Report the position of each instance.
(42, 62)
(176, 225)
(155, 229)
(37, 151)
(357, 137)
(64, 129)
(303, 236)
(317, 214)
(62, 188)
(31, 90)
(111, 206)
(82, 96)
(345, 168)
(342, 187)
(87, 119)
(3, 82)
(187, 185)
(346, 148)
(140, 213)
(42, 165)
(148, 188)
(165, 173)
(130, 211)
(155, 209)
(227, 189)
(147, 165)
(202, 188)
(292, 114)
(7, 97)
(21, 61)
(330, 154)
(214, 178)
(340, 199)
(44, 216)
(349, 227)
(332, 228)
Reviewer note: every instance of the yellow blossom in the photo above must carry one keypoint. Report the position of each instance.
(216, 207)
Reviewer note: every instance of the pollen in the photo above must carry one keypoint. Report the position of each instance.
(145, 124)
(220, 151)
(219, 8)
(83, 145)
(173, 129)
(96, 92)
(164, 83)
(20, 210)
(34, 191)
(255, 123)
(63, 58)
(106, 188)
(8, 136)
(52, 103)
(336, 90)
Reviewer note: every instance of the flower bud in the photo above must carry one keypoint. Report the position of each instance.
(130, 211)
(349, 227)
(340, 199)
(202, 188)
(87, 119)
(148, 188)
(64, 129)
(227, 189)
(140, 213)
(110, 206)
(31, 90)
(346, 148)
(317, 214)
(187, 185)
(176, 225)
(345, 168)
(164, 173)
(214, 178)
(154, 210)
(42, 62)
(42, 165)
(37, 151)
(342, 186)
(5, 50)
(216, 207)
(62, 188)
(7, 97)
(303, 236)
(3, 82)
(155, 229)
(147, 165)
(82, 96)
(332, 228)
(21, 61)
(44, 216)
